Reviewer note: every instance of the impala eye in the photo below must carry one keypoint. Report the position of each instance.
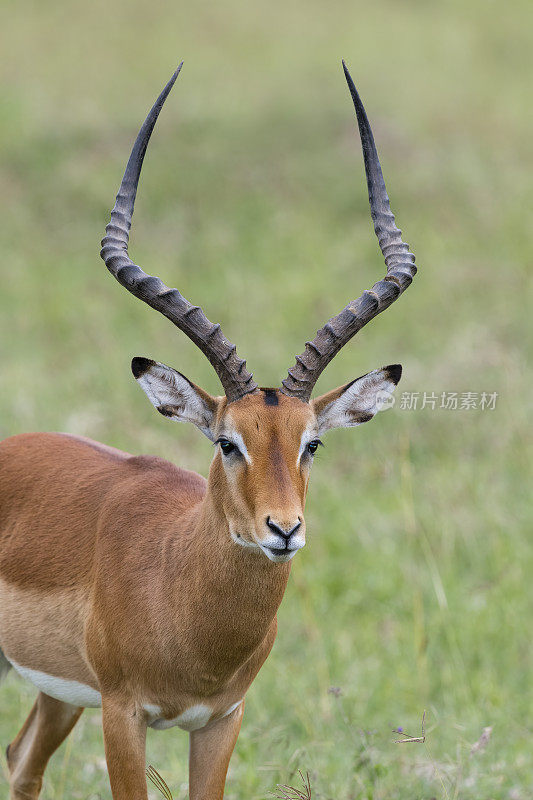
(226, 446)
(312, 447)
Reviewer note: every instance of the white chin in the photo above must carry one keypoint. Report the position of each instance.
(278, 559)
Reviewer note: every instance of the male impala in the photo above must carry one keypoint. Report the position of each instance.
(131, 584)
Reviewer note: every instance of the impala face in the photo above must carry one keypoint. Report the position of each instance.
(265, 443)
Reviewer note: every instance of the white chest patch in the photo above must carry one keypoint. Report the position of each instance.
(232, 708)
(192, 719)
(77, 694)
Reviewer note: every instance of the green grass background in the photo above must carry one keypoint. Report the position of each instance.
(414, 591)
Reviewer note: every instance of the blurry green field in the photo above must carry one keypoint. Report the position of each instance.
(415, 589)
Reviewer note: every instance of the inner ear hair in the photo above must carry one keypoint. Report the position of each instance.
(174, 395)
(355, 402)
(392, 373)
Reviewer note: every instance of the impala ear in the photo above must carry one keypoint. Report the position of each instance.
(358, 401)
(174, 395)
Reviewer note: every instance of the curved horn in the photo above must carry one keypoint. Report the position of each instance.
(231, 370)
(400, 272)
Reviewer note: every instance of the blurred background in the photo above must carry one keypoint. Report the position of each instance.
(414, 591)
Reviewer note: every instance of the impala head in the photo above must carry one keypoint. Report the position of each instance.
(265, 439)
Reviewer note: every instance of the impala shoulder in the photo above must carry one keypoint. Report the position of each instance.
(155, 469)
(44, 446)
(103, 449)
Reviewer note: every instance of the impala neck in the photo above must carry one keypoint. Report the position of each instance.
(238, 589)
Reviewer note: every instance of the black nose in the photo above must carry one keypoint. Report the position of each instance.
(280, 531)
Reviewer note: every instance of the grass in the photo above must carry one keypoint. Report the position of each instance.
(415, 588)
(286, 792)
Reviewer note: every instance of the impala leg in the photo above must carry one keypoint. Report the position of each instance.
(209, 754)
(48, 724)
(125, 750)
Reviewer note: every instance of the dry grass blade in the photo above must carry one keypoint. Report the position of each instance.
(482, 742)
(153, 775)
(286, 792)
(412, 739)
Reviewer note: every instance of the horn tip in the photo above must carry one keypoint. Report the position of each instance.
(175, 74)
(346, 71)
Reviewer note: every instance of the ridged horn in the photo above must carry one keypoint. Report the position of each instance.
(400, 264)
(190, 319)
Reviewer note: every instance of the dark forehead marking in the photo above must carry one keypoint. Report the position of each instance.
(271, 397)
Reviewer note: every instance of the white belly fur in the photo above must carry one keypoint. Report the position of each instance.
(77, 694)
(83, 696)
(192, 719)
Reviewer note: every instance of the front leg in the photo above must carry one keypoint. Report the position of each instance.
(125, 749)
(209, 754)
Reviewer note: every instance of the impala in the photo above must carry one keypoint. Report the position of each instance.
(131, 584)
